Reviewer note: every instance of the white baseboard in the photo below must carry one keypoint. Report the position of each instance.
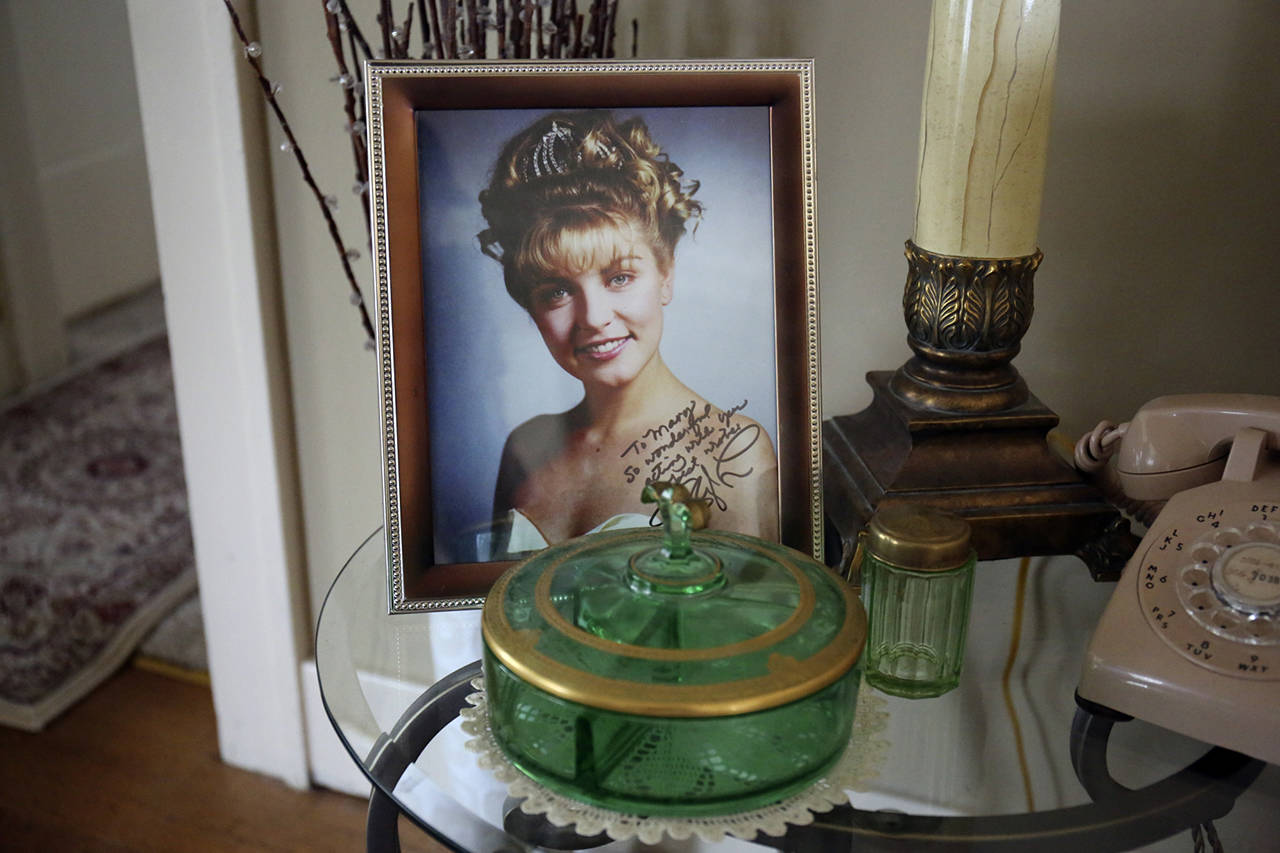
(331, 765)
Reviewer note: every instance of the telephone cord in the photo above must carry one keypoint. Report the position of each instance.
(1097, 446)
(1092, 452)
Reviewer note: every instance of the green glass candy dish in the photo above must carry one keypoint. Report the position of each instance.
(672, 673)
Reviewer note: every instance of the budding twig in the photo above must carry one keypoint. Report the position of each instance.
(349, 106)
(268, 90)
(354, 30)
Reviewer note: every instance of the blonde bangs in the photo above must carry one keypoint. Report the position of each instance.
(572, 241)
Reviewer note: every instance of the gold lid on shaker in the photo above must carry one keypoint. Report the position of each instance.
(913, 536)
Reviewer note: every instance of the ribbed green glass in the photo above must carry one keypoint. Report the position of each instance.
(917, 622)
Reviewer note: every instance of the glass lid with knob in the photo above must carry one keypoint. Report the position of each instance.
(733, 656)
(708, 624)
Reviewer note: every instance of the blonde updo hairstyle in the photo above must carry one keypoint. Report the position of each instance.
(569, 178)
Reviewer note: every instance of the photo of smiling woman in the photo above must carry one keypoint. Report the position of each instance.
(584, 212)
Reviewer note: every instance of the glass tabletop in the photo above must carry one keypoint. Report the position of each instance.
(986, 766)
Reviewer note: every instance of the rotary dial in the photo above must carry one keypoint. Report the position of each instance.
(1209, 585)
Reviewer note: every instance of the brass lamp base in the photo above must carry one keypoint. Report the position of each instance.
(995, 470)
(956, 427)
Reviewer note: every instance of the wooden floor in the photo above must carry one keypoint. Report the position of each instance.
(134, 767)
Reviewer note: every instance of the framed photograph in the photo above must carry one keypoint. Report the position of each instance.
(590, 276)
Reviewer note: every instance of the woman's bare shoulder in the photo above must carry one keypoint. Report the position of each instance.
(722, 455)
(528, 450)
(741, 443)
(540, 432)
(746, 465)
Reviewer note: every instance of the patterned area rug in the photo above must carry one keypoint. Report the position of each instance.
(95, 542)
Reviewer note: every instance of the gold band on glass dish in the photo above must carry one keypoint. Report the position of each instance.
(786, 680)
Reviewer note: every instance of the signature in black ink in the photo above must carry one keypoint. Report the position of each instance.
(702, 449)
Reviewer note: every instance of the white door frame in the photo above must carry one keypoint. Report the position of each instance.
(210, 196)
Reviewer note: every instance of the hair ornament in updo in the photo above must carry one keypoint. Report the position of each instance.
(552, 154)
(557, 152)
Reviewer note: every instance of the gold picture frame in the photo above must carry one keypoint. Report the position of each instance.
(434, 131)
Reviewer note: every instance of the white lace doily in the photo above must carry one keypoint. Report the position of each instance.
(858, 766)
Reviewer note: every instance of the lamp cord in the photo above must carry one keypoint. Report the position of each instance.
(1015, 640)
(1202, 831)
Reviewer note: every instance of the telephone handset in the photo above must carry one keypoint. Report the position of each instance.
(1191, 637)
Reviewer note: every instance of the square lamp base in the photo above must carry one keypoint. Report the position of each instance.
(994, 469)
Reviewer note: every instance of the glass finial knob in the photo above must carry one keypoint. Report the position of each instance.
(681, 514)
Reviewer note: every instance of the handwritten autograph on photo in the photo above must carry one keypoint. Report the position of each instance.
(699, 447)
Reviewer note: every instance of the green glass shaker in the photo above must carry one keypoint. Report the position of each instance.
(916, 568)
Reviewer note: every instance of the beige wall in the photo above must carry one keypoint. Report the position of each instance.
(1157, 228)
(76, 229)
(73, 71)
(32, 339)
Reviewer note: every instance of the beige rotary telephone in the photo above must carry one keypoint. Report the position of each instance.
(1191, 637)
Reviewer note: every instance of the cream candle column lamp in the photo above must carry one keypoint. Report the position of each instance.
(956, 427)
(984, 126)
(984, 133)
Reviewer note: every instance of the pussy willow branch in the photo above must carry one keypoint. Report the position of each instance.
(402, 46)
(475, 31)
(526, 36)
(385, 22)
(349, 105)
(542, 48)
(557, 19)
(359, 146)
(353, 29)
(431, 29)
(269, 93)
(500, 18)
(451, 28)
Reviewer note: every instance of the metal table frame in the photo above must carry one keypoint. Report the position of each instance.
(1119, 818)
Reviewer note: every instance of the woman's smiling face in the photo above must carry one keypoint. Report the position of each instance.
(602, 323)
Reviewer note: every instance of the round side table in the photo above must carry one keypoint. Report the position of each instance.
(1008, 761)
